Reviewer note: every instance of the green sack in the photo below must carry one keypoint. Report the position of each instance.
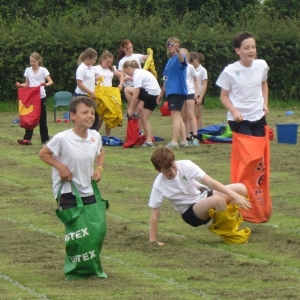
(85, 229)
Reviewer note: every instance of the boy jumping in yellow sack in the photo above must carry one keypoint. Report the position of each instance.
(178, 181)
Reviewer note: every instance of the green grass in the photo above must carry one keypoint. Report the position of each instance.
(193, 264)
(210, 103)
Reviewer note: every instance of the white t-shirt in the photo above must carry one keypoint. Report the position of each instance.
(201, 75)
(190, 73)
(138, 58)
(106, 73)
(87, 75)
(245, 86)
(145, 79)
(78, 155)
(183, 190)
(35, 79)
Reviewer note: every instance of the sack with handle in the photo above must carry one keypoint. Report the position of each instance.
(226, 224)
(109, 103)
(85, 229)
(250, 165)
(29, 107)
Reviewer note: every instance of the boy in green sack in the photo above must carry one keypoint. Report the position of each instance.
(76, 156)
(178, 181)
(73, 153)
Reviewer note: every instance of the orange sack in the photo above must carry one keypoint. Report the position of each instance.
(250, 165)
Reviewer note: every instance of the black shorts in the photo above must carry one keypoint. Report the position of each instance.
(68, 200)
(254, 128)
(190, 97)
(190, 218)
(175, 101)
(149, 100)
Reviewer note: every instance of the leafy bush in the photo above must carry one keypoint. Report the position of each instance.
(61, 39)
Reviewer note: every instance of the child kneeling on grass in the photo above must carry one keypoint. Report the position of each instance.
(178, 182)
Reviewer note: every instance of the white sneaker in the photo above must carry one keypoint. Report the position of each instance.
(147, 144)
(194, 142)
(172, 145)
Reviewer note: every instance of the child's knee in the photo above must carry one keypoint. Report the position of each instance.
(220, 202)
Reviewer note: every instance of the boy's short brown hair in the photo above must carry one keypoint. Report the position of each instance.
(81, 99)
(162, 157)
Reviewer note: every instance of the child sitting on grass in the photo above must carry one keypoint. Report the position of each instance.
(178, 182)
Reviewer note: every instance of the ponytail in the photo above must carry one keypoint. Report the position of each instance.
(87, 53)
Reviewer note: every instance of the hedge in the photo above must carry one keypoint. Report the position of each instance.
(61, 40)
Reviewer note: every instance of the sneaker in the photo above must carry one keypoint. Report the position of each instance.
(172, 145)
(194, 143)
(183, 145)
(147, 144)
(24, 142)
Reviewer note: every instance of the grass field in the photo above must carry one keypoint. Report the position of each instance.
(193, 264)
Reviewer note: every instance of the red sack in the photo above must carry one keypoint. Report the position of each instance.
(133, 133)
(29, 107)
(250, 165)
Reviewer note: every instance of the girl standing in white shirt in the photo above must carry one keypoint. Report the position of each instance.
(106, 70)
(197, 59)
(145, 91)
(36, 75)
(85, 77)
(188, 108)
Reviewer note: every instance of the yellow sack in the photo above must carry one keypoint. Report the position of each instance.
(109, 104)
(226, 224)
(149, 63)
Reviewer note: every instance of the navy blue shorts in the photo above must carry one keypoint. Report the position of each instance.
(254, 128)
(190, 217)
(175, 101)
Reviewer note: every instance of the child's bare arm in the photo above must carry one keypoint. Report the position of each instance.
(46, 156)
(155, 213)
(265, 92)
(224, 97)
(217, 186)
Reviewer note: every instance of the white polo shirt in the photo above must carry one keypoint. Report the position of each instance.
(145, 79)
(106, 73)
(87, 75)
(138, 58)
(190, 74)
(201, 74)
(35, 79)
(245, 88)
(183, 190)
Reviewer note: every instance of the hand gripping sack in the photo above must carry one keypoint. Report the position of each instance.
(85, 229)
(250, 165)
(109, 103)
(226, 224)
(29, 107)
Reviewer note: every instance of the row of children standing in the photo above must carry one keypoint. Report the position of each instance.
(141, 89)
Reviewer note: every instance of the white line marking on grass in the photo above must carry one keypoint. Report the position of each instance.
(22, 287)
(21, 159)
(34, 228)
(147, 273)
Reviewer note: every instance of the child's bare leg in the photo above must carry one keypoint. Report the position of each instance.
(239, 188)
(107, 130)
(216, 201)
